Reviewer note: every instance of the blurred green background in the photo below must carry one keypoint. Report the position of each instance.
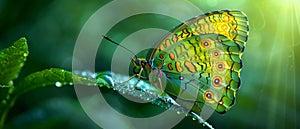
(268, 97)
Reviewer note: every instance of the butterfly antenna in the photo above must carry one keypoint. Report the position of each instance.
(110, 40)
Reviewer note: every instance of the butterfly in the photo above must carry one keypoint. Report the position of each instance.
(199, 61)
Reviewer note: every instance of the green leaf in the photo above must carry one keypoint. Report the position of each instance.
(51, 77)
(3, 92)
(11, 61)
(145, 91)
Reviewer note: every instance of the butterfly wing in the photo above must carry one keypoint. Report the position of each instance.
(232, 24)
(204, 54)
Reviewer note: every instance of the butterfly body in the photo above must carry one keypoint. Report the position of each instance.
(200, 60)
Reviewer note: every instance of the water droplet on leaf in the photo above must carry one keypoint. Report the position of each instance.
(25, 54)
(84, 73)
(58, 84)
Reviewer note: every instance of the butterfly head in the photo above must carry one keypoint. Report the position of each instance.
(140, 64)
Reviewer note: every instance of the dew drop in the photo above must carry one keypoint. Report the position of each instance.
(194, 118)
(84, 73)
(94, 75)
(178, 112)
(70, 83)
(58, 84)
(132, 88)
(25, 54)
(76, 72)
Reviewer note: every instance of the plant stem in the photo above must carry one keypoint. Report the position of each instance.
(6, 111)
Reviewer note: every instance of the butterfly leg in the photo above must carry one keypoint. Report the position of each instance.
(134, 75)
(129, 78)
(162, 90)
(138, 75)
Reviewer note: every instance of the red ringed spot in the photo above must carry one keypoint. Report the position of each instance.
(170, 66)
(161, 56)
(178, 67)
(168, 43)
(172, 56)
(208, 95)
(216, 81)
(220, 66)
(205, 43)
(216, 53)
